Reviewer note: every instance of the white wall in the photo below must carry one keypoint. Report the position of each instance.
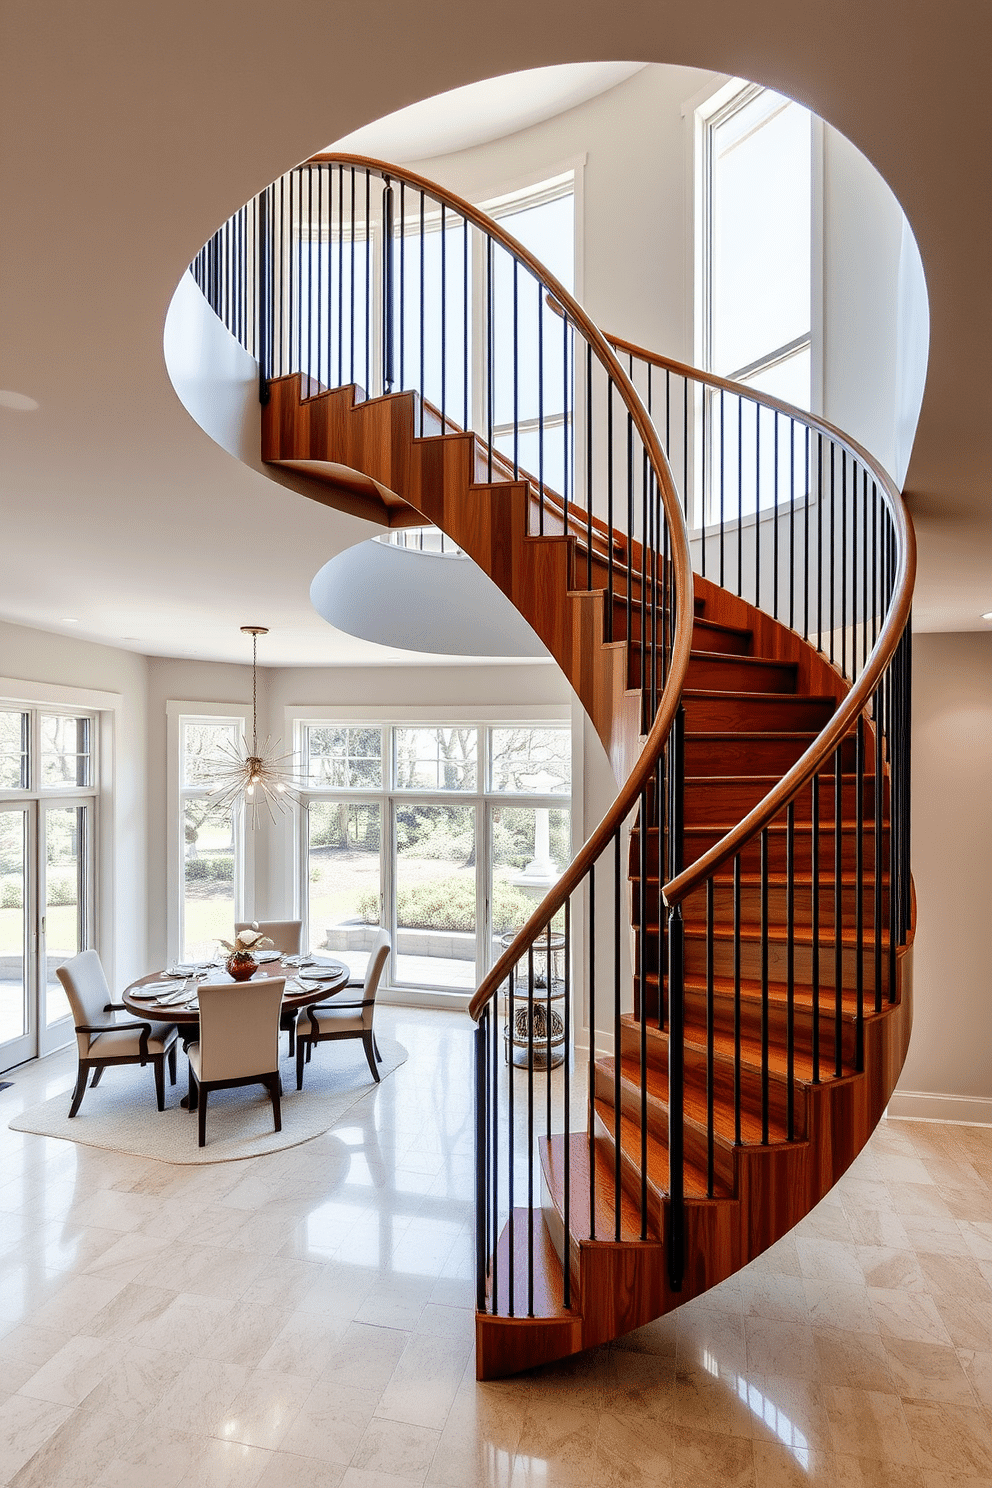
(948, 1073)
(39, 657)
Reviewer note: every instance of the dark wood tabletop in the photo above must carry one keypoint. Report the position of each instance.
(337, 977)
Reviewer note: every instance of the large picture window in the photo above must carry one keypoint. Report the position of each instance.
(212, 839)
(449, 835)
(755, 290)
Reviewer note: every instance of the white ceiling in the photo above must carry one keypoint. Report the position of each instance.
(483, 111)
(130, 132)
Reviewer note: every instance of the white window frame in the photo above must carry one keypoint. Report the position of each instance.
(178, 713)
(299, 716)
(97, 930)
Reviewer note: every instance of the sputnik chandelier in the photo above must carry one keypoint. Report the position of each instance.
(258, 776)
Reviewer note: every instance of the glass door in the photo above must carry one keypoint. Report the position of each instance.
(17, 936)
(64, 859)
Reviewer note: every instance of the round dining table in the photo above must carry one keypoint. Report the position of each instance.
(186, 1013)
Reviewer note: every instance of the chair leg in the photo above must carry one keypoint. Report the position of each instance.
(274, 1084)
(302, 1047)
(97, 1076)
(82, 1075)
(202, 1117)
(159, 1063)
(367, 1042)
(292, 1041)
(191, 1099)
(172, 1063)
(375, 1046)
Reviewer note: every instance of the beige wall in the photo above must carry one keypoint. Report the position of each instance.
(949, 1069)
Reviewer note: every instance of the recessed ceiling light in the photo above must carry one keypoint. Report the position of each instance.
(17, 402)
(987, 615)
(69, 620)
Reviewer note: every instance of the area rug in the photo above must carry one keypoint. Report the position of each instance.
(120, 1114)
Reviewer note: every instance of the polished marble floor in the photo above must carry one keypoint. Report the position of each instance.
(304, 1320)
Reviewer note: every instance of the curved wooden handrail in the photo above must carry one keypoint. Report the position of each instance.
(824, 745)
(679, 557)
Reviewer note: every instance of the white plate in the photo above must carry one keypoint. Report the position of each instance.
(267, 955)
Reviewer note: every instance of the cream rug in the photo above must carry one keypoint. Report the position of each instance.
(120, 1114)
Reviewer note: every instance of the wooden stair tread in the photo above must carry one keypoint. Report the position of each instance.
(694, 1100)
(604, 1191)
(658, 1168)
(549, 1290)
(802, 934)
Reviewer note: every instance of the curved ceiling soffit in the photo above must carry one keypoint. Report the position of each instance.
(473, 618)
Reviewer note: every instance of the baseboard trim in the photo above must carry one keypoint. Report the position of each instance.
(954, 1110)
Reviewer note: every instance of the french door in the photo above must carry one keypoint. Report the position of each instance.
(46, 916)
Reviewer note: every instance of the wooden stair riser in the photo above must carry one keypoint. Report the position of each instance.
(726, 712)
(751, 961)
(694, 907)
(712, 799)
(694, 1134)
(742, 754)
(723, 1063)
(714, 673)
(699, 840)
(723, 1022)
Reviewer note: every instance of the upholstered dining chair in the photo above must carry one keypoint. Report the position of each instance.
(238, 1043)
(287, 938)
(346, 1019)
(101, 1040)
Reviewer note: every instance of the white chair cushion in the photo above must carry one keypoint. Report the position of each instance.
(125, 1042)
(331, 1020)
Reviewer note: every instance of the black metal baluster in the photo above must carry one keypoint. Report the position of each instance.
(833, 561)
(737, 999)
(838, 915)
(402, 284)
(609, 510)
(642, 1000)
(490, 372)
(511, 1139)
(859, 911)
(423, 249)
(592, 1049)
(764, 986)
(710, 1037)
(388, 287)
(757, 506)
(540, 413)
(444, 321)
(617, 1042)
(740, 494)
(588, 467)
(516, 383)
(819, 542)
(567, 1086)
(481, 1143)
(466, 327)
(815, 922)
(790, 969)
(351, 288)
(775, 514)
(723, 485)
(368, 282)
(530, 1131)
(340, 276)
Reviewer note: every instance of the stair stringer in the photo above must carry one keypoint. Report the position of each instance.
(437, 476)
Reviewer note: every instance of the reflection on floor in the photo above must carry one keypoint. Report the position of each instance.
(306, 1319)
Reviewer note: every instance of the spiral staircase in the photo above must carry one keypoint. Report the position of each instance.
(735, 984)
